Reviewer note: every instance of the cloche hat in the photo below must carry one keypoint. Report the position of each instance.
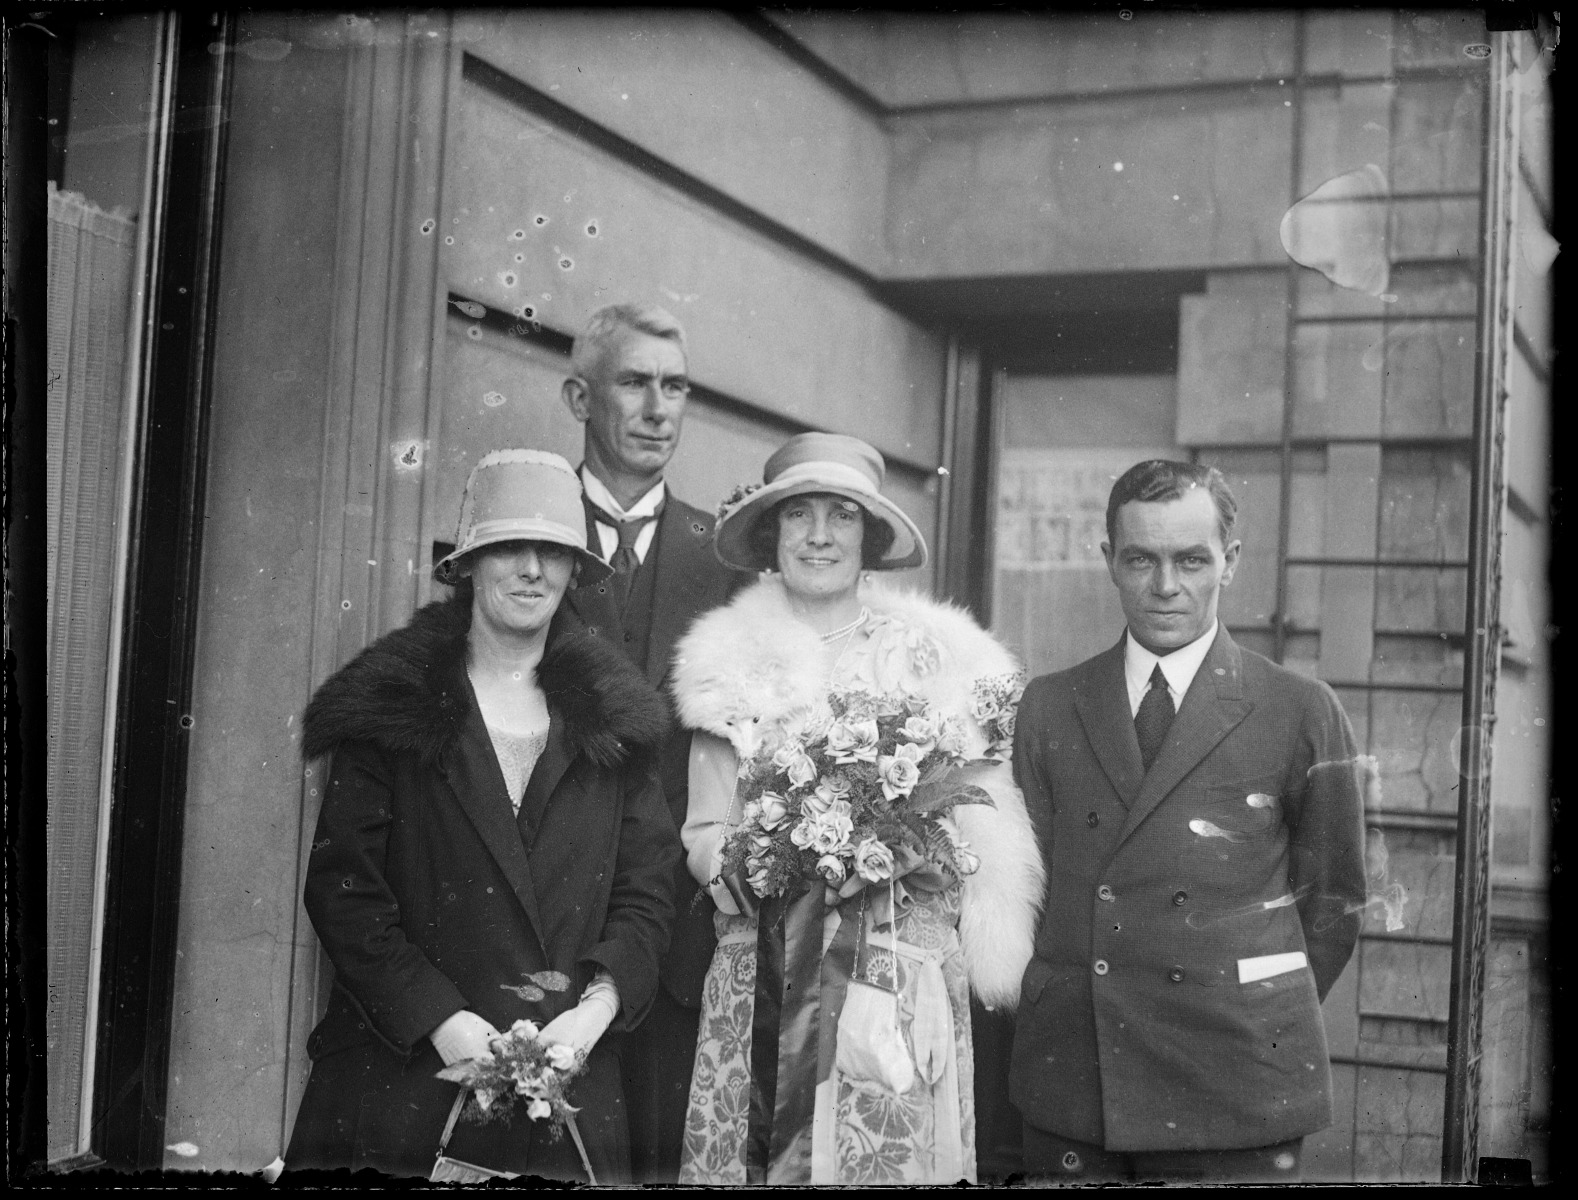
(818, 462)
(521, 496)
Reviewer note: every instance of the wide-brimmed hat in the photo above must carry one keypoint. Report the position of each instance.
(819, 462)
(522, 496)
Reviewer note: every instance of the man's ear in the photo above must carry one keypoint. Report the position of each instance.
(576, 399)
(1230, 556)
(1106, 553)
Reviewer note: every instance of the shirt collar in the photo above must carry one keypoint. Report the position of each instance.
(599, 495)
(1179, 667)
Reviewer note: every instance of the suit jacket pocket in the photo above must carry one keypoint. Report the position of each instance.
(1291, 989)
(1236, 813)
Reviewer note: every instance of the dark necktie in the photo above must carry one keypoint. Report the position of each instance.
(624, 560)
(1154, 716)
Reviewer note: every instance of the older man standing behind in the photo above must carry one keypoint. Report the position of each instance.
(629, 389)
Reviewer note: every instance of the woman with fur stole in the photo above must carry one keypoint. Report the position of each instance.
(491, 816)
(860, 1075)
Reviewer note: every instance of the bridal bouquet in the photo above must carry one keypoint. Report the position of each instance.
(522, 1069)
(860, 790)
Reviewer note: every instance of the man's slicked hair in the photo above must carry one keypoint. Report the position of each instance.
(607, 321)
(1163, 479)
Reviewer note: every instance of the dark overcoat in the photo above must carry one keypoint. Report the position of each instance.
(1245, 838)
(679, 579)
(429, 896)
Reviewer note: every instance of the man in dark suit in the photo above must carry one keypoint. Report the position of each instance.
(1200, 810)
(629, 388)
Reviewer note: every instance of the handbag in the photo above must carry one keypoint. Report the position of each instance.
(870, 1041)
(453, 1170)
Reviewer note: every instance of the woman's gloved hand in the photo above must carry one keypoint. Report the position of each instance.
(580, 1027)
(463, 1035)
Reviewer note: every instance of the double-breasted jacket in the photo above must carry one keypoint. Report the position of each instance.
(1244, 840)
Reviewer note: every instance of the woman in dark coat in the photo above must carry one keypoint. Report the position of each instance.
(491, 812)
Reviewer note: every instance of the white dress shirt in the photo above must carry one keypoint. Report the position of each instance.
(1178, 668)
(607, 535)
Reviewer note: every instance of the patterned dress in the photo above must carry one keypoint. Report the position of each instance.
(863, 1131)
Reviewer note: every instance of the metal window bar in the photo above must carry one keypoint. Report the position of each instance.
(1406, 564)
(1471, 890)
(1413, 441)
(1470, 899)
(1357, 1060)
(1279, 630)
(1387, 319)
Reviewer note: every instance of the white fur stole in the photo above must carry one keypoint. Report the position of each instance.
(746, 669)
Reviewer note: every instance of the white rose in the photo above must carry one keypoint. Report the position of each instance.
(832, 869)
(802, 771)
(833, 829)
(774, 810)
(898, 773)
(853, 740)
(951, 740)
(873, 860)
(920, 730)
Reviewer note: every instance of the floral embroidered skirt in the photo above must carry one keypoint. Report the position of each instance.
(866, 1132)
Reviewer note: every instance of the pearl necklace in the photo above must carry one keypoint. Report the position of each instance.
(845, 630)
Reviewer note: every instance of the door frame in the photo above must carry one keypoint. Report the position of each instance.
(141, 880)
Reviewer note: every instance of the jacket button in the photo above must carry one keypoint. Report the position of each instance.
(1176, 974)
(1180, 897)
(1104, 892)
(1101, 966)
(1093, 820)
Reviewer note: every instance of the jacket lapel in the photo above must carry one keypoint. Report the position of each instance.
(472, 771)
(1103, 705)
(677, 592)
(1212, 708)
(545, 776)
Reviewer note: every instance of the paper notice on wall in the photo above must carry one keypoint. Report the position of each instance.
(1052, 505)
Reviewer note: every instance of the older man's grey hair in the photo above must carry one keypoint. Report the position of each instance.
(603, 324)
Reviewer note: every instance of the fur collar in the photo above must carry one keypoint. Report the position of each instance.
(407, 692)
(751, 661)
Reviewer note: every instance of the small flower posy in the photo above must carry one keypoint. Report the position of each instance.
(994, 701)
(863, 790)
(521, 1068)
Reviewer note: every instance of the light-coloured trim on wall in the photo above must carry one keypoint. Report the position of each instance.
(386, 347)
(136, 388)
